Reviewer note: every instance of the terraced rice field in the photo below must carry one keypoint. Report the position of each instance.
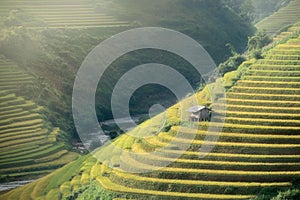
(257, 149)
(287, 33)
(285, 16)
(62, 13)
(259, 146)
(28, 143)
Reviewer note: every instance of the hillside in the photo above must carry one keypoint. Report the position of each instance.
(266, 8)
(197, 19)
(30, 145)
(284, 17)
(53, 50)
(287, 33)
(257, 151)
(61, 14)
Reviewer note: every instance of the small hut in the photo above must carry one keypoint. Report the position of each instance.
(199, 113)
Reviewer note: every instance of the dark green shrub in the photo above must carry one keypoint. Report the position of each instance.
(256, 54)
(258, 41)
(292, 194)
(231, 64)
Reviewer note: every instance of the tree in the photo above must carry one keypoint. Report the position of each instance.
(258, 41)
(231, 64)
(291, 194)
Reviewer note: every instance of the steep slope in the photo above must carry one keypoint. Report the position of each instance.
(62, 13)
(28, 143)
(263, 9)
(198, 19)
(287, 33)
(285, 16)
(55, 55)
(258, 148)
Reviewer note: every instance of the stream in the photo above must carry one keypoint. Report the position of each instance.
(124, 122)
(13, 184)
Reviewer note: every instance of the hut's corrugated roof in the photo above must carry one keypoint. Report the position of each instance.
(195, 108)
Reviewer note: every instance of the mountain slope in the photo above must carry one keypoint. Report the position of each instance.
(55, 55)
(29, 144)
(258, 149)
(284, 17)
(62, 14)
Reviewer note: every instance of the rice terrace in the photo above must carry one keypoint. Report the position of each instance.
(225, 125)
